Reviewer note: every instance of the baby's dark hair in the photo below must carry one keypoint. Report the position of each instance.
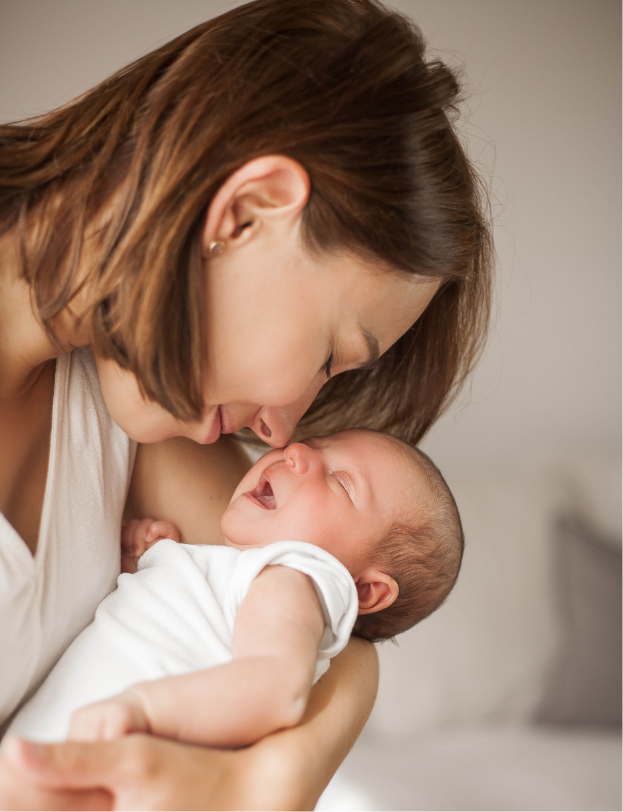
(423, 555)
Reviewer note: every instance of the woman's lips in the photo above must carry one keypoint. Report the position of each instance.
(227, 424)
(215, 429)
(263, 495)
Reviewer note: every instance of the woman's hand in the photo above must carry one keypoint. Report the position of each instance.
(287, 770)
(145, 774)
(18, 789)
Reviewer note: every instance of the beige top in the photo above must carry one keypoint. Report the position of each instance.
(46, 600)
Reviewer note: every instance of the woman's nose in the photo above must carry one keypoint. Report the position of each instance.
(275, 424)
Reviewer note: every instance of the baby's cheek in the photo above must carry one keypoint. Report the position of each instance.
(311, 523)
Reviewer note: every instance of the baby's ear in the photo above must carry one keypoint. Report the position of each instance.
(376, 590)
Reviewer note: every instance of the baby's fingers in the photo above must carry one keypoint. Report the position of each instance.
(162, 529)
(134, 537)
(94, 723)
(138, 536)
(127, 536)
(102, 721)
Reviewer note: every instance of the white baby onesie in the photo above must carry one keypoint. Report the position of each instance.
(176, 615)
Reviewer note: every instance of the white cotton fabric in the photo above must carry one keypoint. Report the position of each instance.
(46, 600)
(176, 615)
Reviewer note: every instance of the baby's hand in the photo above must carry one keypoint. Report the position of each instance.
(108, 719)
(138, 536)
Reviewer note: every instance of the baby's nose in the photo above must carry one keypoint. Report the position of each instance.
(297, 456)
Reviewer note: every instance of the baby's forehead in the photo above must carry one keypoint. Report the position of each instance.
(403, 458)
(379, 441)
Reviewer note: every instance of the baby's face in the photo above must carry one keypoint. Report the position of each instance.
(341, 493)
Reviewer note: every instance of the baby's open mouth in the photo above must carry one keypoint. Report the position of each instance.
(263, 494)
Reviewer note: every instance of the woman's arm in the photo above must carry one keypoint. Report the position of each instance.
(295, 765)
(287, 770)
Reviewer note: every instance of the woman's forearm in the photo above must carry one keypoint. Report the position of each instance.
(290, 769)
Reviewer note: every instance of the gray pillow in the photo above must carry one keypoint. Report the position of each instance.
(584, 686)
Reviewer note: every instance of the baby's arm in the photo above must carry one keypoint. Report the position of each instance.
(264, 688)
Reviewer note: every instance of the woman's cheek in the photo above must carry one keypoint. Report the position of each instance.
(279, 379)
(141, 419)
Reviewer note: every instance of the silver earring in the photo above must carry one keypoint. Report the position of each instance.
(216, 247)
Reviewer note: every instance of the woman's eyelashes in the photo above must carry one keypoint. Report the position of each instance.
(332, 362)
(327, 367)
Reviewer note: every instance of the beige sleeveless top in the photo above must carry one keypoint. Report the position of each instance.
(46, 600)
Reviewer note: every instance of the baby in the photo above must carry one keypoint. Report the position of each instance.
(219, 645)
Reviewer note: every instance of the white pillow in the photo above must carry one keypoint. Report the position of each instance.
(484, 654)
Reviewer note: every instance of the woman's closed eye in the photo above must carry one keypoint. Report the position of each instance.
(366, 363)
(327, 366)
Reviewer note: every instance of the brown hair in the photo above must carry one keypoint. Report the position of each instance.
(422, 555)
(341, 86)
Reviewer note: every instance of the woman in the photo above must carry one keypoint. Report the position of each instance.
(270, 200)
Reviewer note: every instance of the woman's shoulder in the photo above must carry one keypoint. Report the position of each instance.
(81, 418)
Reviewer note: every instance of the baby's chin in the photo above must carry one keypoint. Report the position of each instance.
(240, 546)
(243, 531)
(237, 545)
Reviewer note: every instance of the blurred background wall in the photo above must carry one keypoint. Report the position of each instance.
(543, 121)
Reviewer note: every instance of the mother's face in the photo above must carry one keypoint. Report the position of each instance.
(279, 324)
(280, 319)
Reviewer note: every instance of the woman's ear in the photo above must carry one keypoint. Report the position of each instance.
(376, 590)
(271, 188)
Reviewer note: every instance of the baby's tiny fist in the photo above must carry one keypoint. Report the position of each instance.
(138, 536)
(106, 720)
